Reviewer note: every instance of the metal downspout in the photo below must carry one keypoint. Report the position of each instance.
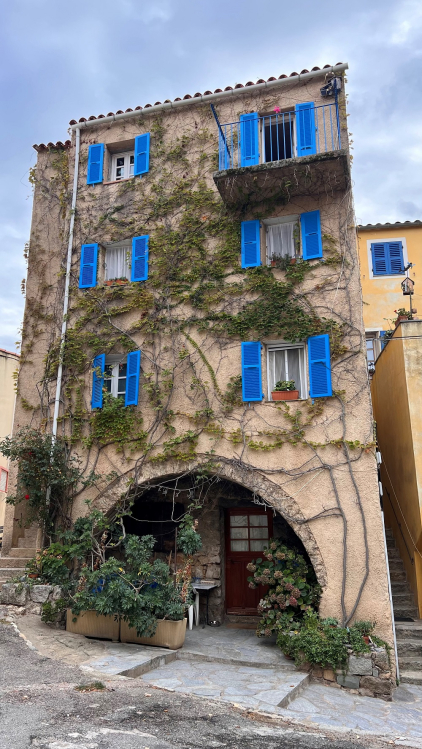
(67, 284)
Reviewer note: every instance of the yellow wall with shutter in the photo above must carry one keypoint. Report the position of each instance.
(397, 404)
(382, 294)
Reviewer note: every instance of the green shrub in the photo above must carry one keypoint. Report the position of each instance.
(321, 642)
(292, 586)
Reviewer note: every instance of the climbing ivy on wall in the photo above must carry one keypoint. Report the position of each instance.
(197, 304)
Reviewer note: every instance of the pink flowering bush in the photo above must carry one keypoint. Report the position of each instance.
(291, 587)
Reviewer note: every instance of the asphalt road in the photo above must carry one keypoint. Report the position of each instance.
(40, 707)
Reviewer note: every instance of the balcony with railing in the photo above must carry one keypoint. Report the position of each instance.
(293, 152)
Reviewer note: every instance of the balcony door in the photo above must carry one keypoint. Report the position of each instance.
(248, 530)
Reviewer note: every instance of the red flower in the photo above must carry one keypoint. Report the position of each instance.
(26, 496)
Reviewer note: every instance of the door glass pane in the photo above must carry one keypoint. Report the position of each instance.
(238, 519)
(238, 533)
(259, 532)
(293, 367)
(240, 545)
(258, 520)
(259, 545)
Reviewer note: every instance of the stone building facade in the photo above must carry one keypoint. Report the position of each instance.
(210, 253)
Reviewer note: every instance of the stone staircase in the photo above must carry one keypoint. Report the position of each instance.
(407, 622)
(15, 563)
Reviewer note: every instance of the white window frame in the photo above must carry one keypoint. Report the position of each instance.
(127, 175)
(374, 334)
(294, 136)
(295, 219)
(124, 244)
(369, 251)
(4, 471)
(303, 368)
(114, 360)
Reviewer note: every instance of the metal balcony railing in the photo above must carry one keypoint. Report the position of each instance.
(285, 135)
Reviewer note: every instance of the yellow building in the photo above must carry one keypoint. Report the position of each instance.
(397, 403)
(8, 366)
(384, 250)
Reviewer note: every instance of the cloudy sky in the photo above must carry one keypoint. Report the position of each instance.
(61, 61)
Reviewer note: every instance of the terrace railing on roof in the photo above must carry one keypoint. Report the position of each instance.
(305, 131)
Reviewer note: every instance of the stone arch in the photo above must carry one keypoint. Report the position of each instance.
(253, 480)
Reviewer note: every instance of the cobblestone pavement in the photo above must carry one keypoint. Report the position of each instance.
(40, 707)
(254, 687)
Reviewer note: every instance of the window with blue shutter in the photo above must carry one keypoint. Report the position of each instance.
(88, 268)
(250, 244)
(310, 229)
(95, 164)
(249, 139)
(387, 258)
(319, 366)
(142, 154)
(251, 372)
(132, 378)
(140, 258)
(305, 128)
(98, 381)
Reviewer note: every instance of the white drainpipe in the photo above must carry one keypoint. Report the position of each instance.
(67, 284)
(208, 98)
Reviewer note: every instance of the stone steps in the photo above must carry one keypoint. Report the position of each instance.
(410, 663)
(27, 552)
(411, 677)
(7, 563)
(409, 633)
(409, 647)
(24, 543)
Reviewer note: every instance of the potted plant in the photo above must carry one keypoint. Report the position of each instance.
(138, 596)
(402, 314)
(284, 390)
(116, 281)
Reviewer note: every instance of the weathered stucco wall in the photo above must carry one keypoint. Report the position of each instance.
(313, 462)
(397, 404)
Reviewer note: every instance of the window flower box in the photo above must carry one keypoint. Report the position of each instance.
(285, 395)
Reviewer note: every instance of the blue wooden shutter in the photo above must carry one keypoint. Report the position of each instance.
(251, 372)
(88, 269)
(98, 381)
(395, 252)
(305, 128)
(249, 139)
(140, 258)
(250, 244)
(132, 378)
(319, 366)
(310, 227)
(141, 154)
(379, 259)
(95, 164)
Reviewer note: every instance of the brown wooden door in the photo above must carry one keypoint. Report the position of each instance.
(247, 533)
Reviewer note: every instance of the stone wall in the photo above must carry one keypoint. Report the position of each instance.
(367, 674)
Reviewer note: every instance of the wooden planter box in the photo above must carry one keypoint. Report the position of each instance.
(90, 624)
(285, 395)
(167, 635)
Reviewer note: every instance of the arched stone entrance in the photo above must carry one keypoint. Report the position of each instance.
(237, 513)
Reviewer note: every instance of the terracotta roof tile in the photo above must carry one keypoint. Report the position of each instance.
(207, 93)
(58, 146)
(387, 225)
